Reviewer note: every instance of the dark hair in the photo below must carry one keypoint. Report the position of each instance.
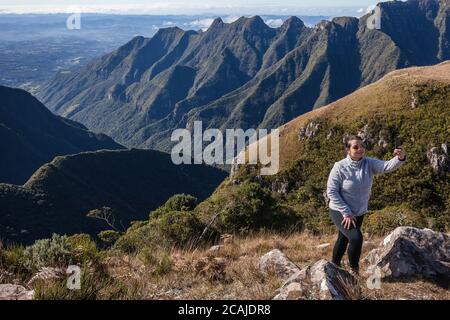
(350, 138)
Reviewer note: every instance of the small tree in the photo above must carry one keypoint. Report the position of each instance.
(106, 214)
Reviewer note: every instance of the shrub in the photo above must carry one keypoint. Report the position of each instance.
(158, 260)
(168, 229)
(176, 228)
(178, 202)
(11, 259)
(134, 239)
(386, 220)
(109, 237)
(250, 207)
(94, 285)
(54, 252)
(83, 249)
(60, 251)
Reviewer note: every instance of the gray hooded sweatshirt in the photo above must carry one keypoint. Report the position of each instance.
(350, 183)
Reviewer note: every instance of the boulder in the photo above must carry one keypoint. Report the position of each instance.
(277, 262)
(438, 158)
(321, 281)
(15, 292)
(410, 252)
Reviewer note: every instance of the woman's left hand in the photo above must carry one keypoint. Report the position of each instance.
(400, 153)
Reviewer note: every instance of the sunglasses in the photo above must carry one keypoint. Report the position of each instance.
(356, 147)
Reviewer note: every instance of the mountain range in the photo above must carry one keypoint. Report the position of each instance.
(243, 74)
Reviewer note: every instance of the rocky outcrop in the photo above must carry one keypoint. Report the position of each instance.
(276, 261)
(280, 186)
(438, 158)
(409, 253)
(15, 292)
(372, 136)
(321, 281)
(310, 131)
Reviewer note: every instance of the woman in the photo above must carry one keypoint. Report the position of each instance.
(348, 189)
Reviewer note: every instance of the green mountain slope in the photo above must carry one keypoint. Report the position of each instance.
(30, 135)
(58, 195)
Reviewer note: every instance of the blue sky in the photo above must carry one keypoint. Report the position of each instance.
(279, 7)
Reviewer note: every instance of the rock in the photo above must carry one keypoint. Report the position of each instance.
(322, 281)
(292, 291)
(277, 262)
(330, 134)
(281, 187)
(310, 131)
(15, 292)
(234, 168)
(438, 159)
(413, 101)
(409, 252)
(382, 143)
(215, 249)
(366, 135)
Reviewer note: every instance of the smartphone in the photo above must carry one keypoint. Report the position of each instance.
(398, 143)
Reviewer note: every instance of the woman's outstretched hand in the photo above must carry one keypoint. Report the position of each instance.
(400, 153)
(348, 221)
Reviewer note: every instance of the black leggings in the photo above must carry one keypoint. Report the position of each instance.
(352, 235)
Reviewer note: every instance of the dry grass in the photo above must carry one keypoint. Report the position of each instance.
(231, 272)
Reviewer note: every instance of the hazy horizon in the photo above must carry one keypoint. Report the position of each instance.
(177, 7)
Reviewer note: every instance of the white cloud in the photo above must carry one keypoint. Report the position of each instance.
(199, 24)
(158, 7)
(274, 23)
(230, 19)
